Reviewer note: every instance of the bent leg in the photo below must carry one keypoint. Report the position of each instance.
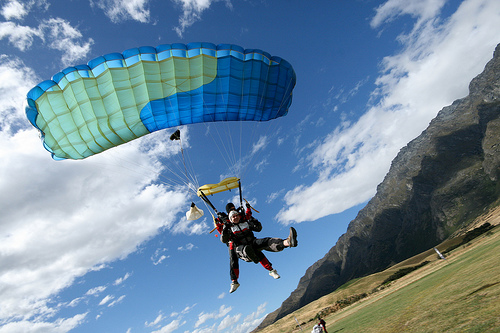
(269, 244)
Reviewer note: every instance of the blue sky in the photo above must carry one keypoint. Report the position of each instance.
(103, 245)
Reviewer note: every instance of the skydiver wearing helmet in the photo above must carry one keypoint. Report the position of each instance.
(238, 235)
(234, 267)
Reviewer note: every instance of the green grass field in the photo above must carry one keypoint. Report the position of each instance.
(460, 294)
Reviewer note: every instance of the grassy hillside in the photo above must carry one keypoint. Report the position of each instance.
(459, 294)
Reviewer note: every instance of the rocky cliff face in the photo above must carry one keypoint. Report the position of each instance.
(437, 184)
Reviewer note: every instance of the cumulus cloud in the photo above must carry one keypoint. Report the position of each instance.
(191, 12)
(19, 36)
(421, 10)
(121, 10)
(16, 10)
(58, 326)
(59, 35)
(15, 81)
(190, 227)
(203, 317)
(63, 219)
(251, 321)
(54, 33)
(172, 326)
(228, 322)
(13, 10)
(436, 56)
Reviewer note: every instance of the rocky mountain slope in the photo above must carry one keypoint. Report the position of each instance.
(437, 184)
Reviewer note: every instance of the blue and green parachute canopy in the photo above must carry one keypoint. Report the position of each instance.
(117, 98)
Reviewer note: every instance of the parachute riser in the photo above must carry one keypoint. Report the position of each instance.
(241, 196)
(207, 201)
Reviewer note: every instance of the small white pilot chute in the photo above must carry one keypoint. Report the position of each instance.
(194, 212)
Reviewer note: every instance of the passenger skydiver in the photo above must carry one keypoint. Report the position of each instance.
(236, 231)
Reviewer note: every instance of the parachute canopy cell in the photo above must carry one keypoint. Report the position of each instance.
(118, 97)
(225, 185)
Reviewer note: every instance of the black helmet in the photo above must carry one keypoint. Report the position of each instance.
(230, 207)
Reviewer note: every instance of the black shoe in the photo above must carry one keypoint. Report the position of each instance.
(292, 238)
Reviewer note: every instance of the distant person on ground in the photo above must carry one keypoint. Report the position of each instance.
(322, 323)
(317, 329)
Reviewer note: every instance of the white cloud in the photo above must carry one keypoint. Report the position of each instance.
(191, 12)
(16, 10)
(260, 166)
(13, 10)
(19, 36)
(155, 322)
(203, 317)
(259, 145)
(121, 10)
(96, 291)
(436, 56)
(75, 302)
(187, 309)
(58, 326)
(60, 35)
(187, 247)
(117, 301)
(15, 81)
(158, 257)
(172, 326)
(63, 219)
(55, 33)
(252, 320)
(273, 196)
(190, 227)
(122, 279)
(228, 322)
(421, 10)
(106, 299)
